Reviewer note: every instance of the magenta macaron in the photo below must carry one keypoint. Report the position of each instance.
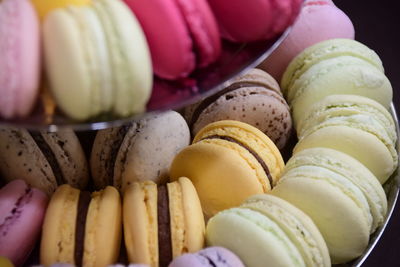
(182, 35)
(19, 58)
(246, 21)
(22, 210)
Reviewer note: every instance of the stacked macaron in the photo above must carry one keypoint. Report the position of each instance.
(339, 96)
(342, 197)
(227, 162)
(254, 98)
(267, 230)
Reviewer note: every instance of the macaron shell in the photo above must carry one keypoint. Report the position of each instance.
(58, 234)
(25, 208)
(341, 75)
(354, 142)
(346, 105)
(328, 49)
(339, 213)
(23, 160)
(211, 167)
(297, 225)
(134, 71)
(261, 108)
(256, 239)
(353, 170)
(61, 34)
(187, 220)
(251, 137)
(144, 153)
(70, 156)
(4, 262)
(140, 222)
(43, 7)
(103, 228)
(20, 54)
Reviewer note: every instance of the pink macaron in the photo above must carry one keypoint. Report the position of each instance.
(22, 210)
(19, 58)
(246, 21)
(182, 35)
(319, 20)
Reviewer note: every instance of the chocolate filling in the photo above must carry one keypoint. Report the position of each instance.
(164, 227)
(213, 98)
(255, 155)
(49, 155)
(83, 207)
(115, 146)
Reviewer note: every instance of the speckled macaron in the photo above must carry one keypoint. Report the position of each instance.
(254, 98)
(142, 150)
(44, 160)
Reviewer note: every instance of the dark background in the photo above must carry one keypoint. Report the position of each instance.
(376, 25)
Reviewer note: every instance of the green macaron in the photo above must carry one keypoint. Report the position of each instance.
(354, 125)
(341, 196)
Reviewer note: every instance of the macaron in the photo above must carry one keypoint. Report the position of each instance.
(231, 155)
(82, 228)
(270, 230)
(351, 202)
(142, 150)
(182, 35)
(208, 257)
(97, 60)
(162, 223)
(4, 262)
(243, 21)
(318, 20)
(22, 210)
(355, 125)
(43, 7)
(43, 159)
(20, 58)
(323, 70)
(254, 98)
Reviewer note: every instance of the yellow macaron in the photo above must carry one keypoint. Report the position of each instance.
(43, 7)
(162, 223)
(227, 162)
(82, 228)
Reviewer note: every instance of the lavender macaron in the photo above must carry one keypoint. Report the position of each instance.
(208, 257)
(254, 98)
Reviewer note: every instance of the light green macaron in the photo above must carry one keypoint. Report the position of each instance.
(341, 196)
(260, 236)
(325, 50)
(358, 127)
(97, 60)
(335, 66)
(345, 105)
(299, 227)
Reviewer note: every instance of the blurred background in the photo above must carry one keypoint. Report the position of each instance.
(375, 24)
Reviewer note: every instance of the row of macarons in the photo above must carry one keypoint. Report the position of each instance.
(162, 226)
(228, 162)
(99, 55)
(144, 149)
